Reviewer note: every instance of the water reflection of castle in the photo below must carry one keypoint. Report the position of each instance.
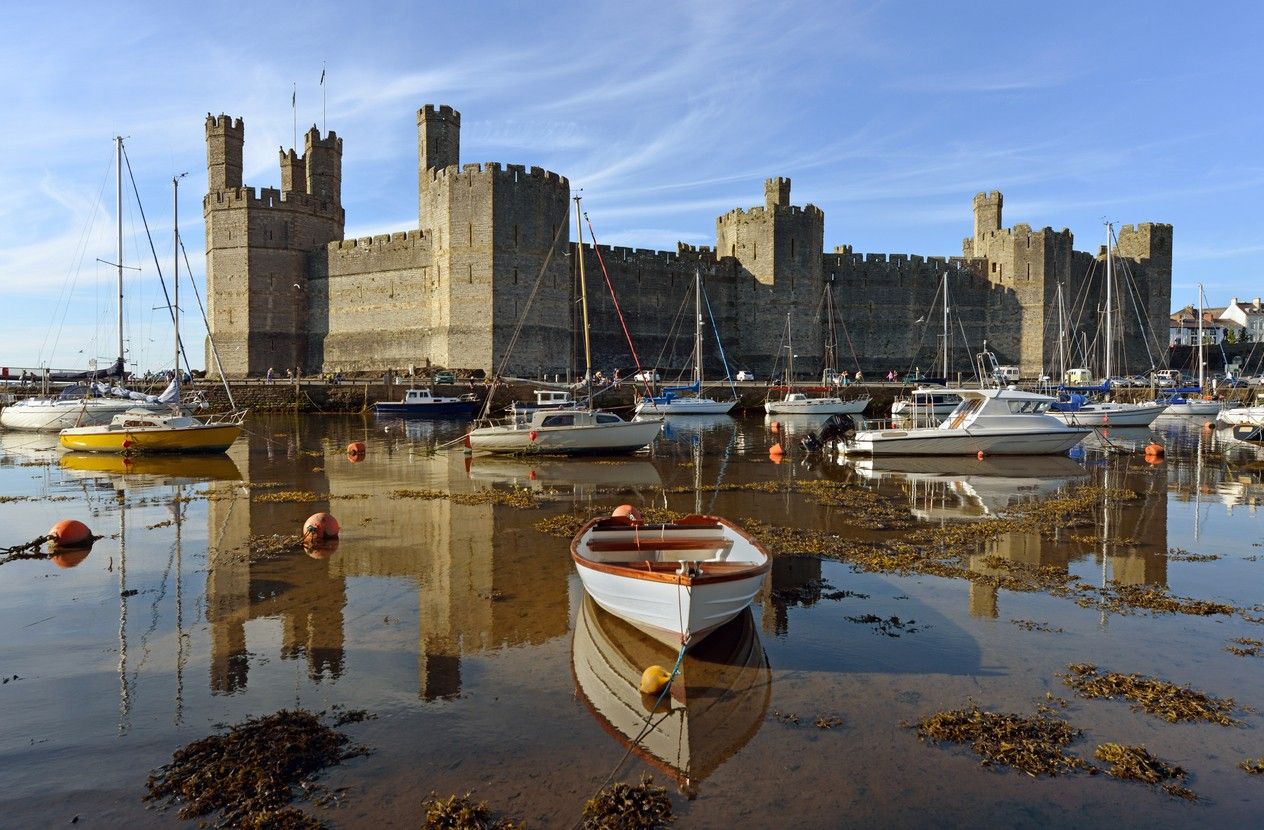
(467, 562)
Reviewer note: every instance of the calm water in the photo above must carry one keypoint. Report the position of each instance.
(464, 629)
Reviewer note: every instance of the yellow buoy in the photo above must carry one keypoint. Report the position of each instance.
(653, 680)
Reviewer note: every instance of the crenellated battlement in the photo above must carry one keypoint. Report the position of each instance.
(270, 198)
(442, 112)
(397, 241)
(224, 122)
(511, 172)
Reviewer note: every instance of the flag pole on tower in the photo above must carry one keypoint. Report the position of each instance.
(323, 121)
(294, 108)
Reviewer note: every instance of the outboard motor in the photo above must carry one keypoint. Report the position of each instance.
(836, 428)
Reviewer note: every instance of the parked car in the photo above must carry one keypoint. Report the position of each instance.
(647, 376)
(444, 377)
(745, 375)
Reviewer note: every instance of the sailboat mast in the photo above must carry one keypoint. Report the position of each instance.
(175, 256)
(697, 331)
(118, 215)
(1201, 370)
(1061, 338)
(945, 327)
(789, 356)
(1110, 333)
(583, 298)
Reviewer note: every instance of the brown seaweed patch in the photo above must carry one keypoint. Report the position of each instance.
(1182, 555)
(1033, 625)
(1033, 745)
(248, 774)
(523, 499)
(461, 812)
(1252, 766)
(566, 525)
(289, 496)
(1173, 703)
(1246, 647)
(640, 806)
(1120, 599)
(1135, 763)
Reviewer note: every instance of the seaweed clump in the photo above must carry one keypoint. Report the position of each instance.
(1135, 763)
(1160, 698)
(461, 812)
(1246, 647)
(248, 774)
(1252, 766)
(1033, 745)
(626, 806)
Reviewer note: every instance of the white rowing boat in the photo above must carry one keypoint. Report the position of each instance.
(677, 582)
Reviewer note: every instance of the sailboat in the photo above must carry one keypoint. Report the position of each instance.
(578, 431)
(929, 404)
(144, 431)
(1076, 409)
(800, 403)
(86, 404)
(1178, 402)
(671, 401)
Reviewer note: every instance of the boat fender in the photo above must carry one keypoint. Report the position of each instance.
(356, 448)
(534, 435)
(70, 533)
(466, 439)
(319, 528)
(653, 680)
(627, 511)
(979, 455)
(127, 443)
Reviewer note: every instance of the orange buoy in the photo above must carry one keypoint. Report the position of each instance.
(70, 533)
(979, 455)
(653, 679)
(775, 426)
(320, 527)
(356, 448)
(776, 449)
(70, 557)
(627, 511)
(1154, 450)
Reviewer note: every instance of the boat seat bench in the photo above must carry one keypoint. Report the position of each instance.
(708, 566)
(653, 543)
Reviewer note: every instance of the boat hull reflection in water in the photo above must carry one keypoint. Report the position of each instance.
(716, 704)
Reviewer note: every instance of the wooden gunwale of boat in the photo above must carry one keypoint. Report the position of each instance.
(653, 571)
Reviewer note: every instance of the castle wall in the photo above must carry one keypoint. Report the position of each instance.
(286, 290)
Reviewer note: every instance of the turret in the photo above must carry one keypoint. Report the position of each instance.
(224, 139)
(438, 138)
(324, 165)
(987, 213)
(293, 172)
(776, 192)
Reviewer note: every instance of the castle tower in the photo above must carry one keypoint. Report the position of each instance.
(438, 142)
(987, 213)
(224, 140)
(261, 249)
(776, 251)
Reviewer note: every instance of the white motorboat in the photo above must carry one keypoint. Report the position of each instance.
(545, 399)
(1242, 416)
(1185, 406)
(988, 421)
(1079, 411)
(424, 403)
(798, 403)
(716, 703)
(77, 406)
(567, 432)
(671, 401)
(929, 404)
(676, 582)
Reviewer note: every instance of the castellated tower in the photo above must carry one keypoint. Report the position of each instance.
(492, 228)
(774, 252)
(259, 249)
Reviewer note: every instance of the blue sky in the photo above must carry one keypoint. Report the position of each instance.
(889, 116)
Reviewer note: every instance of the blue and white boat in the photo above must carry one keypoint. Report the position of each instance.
(421, 403)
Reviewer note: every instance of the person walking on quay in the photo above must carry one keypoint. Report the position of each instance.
(270, 380)
(860, 378)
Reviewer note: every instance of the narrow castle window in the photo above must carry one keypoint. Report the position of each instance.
(471, 234)
(792, 247)
(754, 250)
(515, 275)
(471, 273)
(515, 238)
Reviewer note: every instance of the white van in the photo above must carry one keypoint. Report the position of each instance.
(1078, 377)
(1006, 374)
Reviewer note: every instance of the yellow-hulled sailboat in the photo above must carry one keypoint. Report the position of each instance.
(145, 431)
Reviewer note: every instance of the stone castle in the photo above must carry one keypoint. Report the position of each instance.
(287, 290)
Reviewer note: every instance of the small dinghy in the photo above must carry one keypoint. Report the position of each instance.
(677, 582)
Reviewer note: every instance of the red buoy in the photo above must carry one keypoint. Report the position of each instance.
(320, 527)
(534, 435)
(70, 533)
(628, 512)
(980, 455)
(356, 448)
